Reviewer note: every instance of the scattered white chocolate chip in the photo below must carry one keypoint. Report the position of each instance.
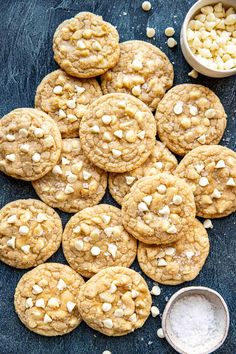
(107, 136)
(108, 231)
(41, 217)
(161, 188)
(146, 6)
(129, 180)
(40, 303)
(71, 178)
(23, 230)
(106, 352)
(220, 164)
(216, 194)
(141, 134)
(142, 207)
(118, 133)
(96, 46)
(70, 306)
(116, 153)
(208, 224)
(171, 42)
(79, 245)
(199, 167)
(202, 139)
(119, 313)
(53, 302)
(86, 175)
(12, 219)
(113, 288)
(150, 32)
(203, 182)
(24, 148)
(23, 133)
(170, 251)
(156, 290)
(137, 64)
(169, 31)
(136, 90)
(133, 318)
(171, 230)
(11, 157)
(95, 251)
(65, 161)
(178, 108)
(80, 44)
(160, 333)
(47, 318)
(71, 117)
(36, 157)
(193, 110)
(158, 165)
(134, 294)
(230, 182)
(10, 137)
(38, 132)
(155, 311)
(95, 129)
(112, 249)
(210, 113)
(77, 229)
(193, 73)
(69, 189)
(29, 303)
(161, 262)
(57, 90)
(106, 306)
(61, 285)
(106, 219)
(37, 289)
(165, 210)
(25, 248)
(106, 119)
(79, 89)
(189, 254)
(71, 103)
(147, 199)
(12, 242)
(61, 114)
(108, 323)
(177, 199)
(57, 170)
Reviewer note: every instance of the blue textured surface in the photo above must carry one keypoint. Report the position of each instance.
(26, 57)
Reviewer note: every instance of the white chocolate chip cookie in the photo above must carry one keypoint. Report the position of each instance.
(46, 299)
(30, 232)
(115, 301)
(65, 99)
(143, 70)
(211, 173)
(74, 183)
(117, 132)
(30, 144)
(86, 46)
(95, 239)
(160, 160)
(177, 262)
(158, 209)
(189, 116)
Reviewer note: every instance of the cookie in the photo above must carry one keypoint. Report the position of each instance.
(95, 239)
(74, 183)
(143, 70)
(178, 262)
(117, 132)
(158, 209)
(160, 160)
(65, 99)
(211, 173)
(86, 46)
(30, 233)
(115, 301)
(189, 116)
(46, 299)
(30, 144)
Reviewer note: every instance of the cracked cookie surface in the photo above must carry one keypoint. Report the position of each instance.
(74, 183)
(30, 233)
(211, 173)
(143, 70)
(30, 144)
(65, 99)
(95, 239)
(158, 209)
(115, 301)
(118, 132)
(160, 160)
(46, 299)
(177, 262)
(86, 46)
(189, 116)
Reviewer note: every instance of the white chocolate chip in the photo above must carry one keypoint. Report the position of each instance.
(193, 110)
(108, 323)
(146, 6)
(106, 219)
(171, 42)
(57, 170)
(165, 210)
(161, 188)
(178, 108)
(155, 311)
(96, 46)
(113, 288)
(147, 199)
(162, 262)
(61, 285)
(38, 132)
(129, 180)
(210, 113)
(95, 251)
(79, 89)
(53, 302)
(95, 129)
(193, 73)
(220, 164)
(119, 313)
(23, 230)
(29, 303)
(172, 230)
(177, 199)
(208, 224)
(40, 303)
(11, 157)
(41, 217)
(199, 167)
(116, 153)
(170, 251)
(12, 219)
(119, 134)
(112, 248)
(61, 114)
(108, 231)
(69, 189)
(12, 242)
(47, 318)
(216, 194)
(202, 139)
(142, 207)
(156, 290)
(169, 31)
(133, 318)
(150, 32)
(23, 133)
(77, 229)
(24, 148)
(160, 333)
(71, 178)
(37, 289)
(106, 119)
(81, 45)
(79, 245)
(107, 136)
(71, 104)
(71, 118)
(136, 90)
(10, 137)
(106, 306)
(134, 294)
(137, 64)
(25, 248)
(70, 306)
(36, 157)
(141, 134)
(189, 254)
(203, 182)
(65, 161)
(158, 165)
(230, 182)
(57, 90)
(86, 175)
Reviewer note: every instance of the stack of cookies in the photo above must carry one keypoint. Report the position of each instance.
(79, 133)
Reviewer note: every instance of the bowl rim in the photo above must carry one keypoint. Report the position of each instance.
(190, 14)
(192, 289)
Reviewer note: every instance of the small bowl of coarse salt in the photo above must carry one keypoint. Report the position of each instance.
(208, 37)
(195, 320)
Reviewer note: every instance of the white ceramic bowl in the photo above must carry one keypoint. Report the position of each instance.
(222, 314)
(189, 56)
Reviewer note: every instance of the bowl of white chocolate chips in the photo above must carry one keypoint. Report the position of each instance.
(208, 37)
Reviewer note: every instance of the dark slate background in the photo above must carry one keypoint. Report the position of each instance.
(26, 30)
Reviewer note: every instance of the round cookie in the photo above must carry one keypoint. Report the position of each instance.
(189, 116)
(30, 144)
(74, 183)
(65, 99)
(115, 301)
(178, 262)
(117, 132)
(158, 209)
(160, 160)
(211, 173)
(30, 233)
(143, 70)
(86, 46)
(46, 299)
(95, 239)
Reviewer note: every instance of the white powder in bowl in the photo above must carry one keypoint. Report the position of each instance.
(195, 323)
